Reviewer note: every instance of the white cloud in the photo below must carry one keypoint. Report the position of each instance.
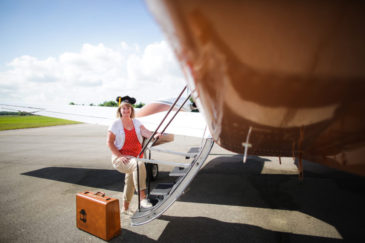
(93, 75)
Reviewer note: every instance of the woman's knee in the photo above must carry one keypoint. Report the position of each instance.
(122, 167)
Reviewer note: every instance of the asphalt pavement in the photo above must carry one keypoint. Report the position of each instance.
(42, 170)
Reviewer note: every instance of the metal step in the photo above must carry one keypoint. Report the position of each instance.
(162, 189)
(160, 162)
(179, 171)
(162, 203)
(187, 155)
(193, 151)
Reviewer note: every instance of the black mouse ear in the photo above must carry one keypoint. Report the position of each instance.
(125, 99)
(128, 99)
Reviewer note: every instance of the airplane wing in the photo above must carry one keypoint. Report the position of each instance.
(87, 114)
(185, 123)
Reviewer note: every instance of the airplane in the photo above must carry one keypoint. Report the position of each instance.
(283, 78)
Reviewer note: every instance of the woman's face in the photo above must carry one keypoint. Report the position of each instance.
(126, 111)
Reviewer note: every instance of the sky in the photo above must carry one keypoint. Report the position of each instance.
(83, 51)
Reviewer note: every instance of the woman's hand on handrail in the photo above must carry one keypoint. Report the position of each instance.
(157, 135)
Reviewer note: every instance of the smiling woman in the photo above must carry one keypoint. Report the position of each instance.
(9, 122)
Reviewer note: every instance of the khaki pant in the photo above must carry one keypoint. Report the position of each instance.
(130, 181)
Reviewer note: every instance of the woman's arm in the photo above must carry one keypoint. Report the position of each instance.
(110, 143)
(147, 133)
(115, 151)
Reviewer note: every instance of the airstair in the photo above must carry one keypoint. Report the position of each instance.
(165, 194)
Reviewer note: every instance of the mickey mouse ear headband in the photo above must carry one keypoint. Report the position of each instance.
(126, 99)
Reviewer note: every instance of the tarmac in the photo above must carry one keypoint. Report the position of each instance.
(42, 170)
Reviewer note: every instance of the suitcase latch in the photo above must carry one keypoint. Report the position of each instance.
(83, 215)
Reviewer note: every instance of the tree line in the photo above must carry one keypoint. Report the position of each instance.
(111, 103)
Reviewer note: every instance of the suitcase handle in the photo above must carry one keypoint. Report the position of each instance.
(102, 193)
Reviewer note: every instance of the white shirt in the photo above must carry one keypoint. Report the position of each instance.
(118, 130)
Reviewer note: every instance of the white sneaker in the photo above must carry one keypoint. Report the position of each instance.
(145, 203)
(127, 212)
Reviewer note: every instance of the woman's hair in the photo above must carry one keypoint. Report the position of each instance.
(119, 114)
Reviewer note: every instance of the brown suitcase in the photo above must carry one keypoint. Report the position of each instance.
(98, 214)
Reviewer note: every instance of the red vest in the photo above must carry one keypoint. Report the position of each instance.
(131, 145)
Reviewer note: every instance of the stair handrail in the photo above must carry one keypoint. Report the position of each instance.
(154, 133)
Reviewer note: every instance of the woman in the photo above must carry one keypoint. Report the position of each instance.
(125, 142)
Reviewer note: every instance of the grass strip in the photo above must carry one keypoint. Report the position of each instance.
(20, 122)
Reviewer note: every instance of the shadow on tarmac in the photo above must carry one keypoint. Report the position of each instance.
(332, 196)
(130, 236)
(202, 229)
(99, 178)
(205, 229)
